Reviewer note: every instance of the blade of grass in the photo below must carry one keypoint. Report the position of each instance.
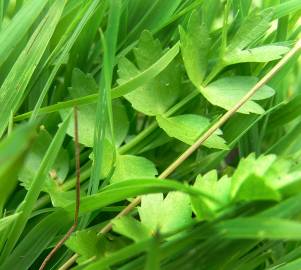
(260, 228)
(18, 27)
(286, 8)
(69, 44)
(14, 86)
(32, 195)
(5, 222)
(1, 12)
(129, 188)
(36, 241)
(12, 153)
(104, 109)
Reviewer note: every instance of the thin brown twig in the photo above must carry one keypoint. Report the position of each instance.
(77, 200)
(170, 169)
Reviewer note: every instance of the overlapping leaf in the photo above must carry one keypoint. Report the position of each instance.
(188, 128)
(156, 96)
(227, 92)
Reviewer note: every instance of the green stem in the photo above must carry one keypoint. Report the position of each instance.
(140, 137)
(182, 103)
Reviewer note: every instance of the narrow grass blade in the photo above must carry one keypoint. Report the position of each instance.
(32, 195)
(12, 153)
(7, 221)
(14, 86)
(60, 60)
(261, 228)
(18, 27)
(130, 188)
(36, 241)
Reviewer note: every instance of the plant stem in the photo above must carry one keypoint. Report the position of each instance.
(140, 137)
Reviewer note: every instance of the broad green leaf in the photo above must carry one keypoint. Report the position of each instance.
(87, 244)
(256, 179)
(220, 189)
(13, 89)
(242, 172)
(18, 27)
(57, 173)
(195, 47)
(261, 228)
(227, 92)
(176, 212)
(55, 176)
(12, 153)
(158, 95)
(150, 211)
(260, 54)
(165, 215)
(37, 240)
(253, 27)
(133, 167)
(255, 188)
(188, 128)
(32, 195)
(5, 222)
(131, 228)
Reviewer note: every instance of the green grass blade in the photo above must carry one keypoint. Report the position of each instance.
(130, 188)
(104, 106)
(60, 60)
(7, 221)
(36, 241)
(18, 27)
(261, 228)
(12, 153)
(32, 195)
(286, 8)
(123, 254)
(14, 86)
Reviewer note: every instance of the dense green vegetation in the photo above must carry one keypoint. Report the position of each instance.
(182, 115)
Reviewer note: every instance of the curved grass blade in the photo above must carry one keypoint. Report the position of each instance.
(36, 241)
(130, 188)
(32, 195)
(18, 27)
(15, 84)
(68, 46)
